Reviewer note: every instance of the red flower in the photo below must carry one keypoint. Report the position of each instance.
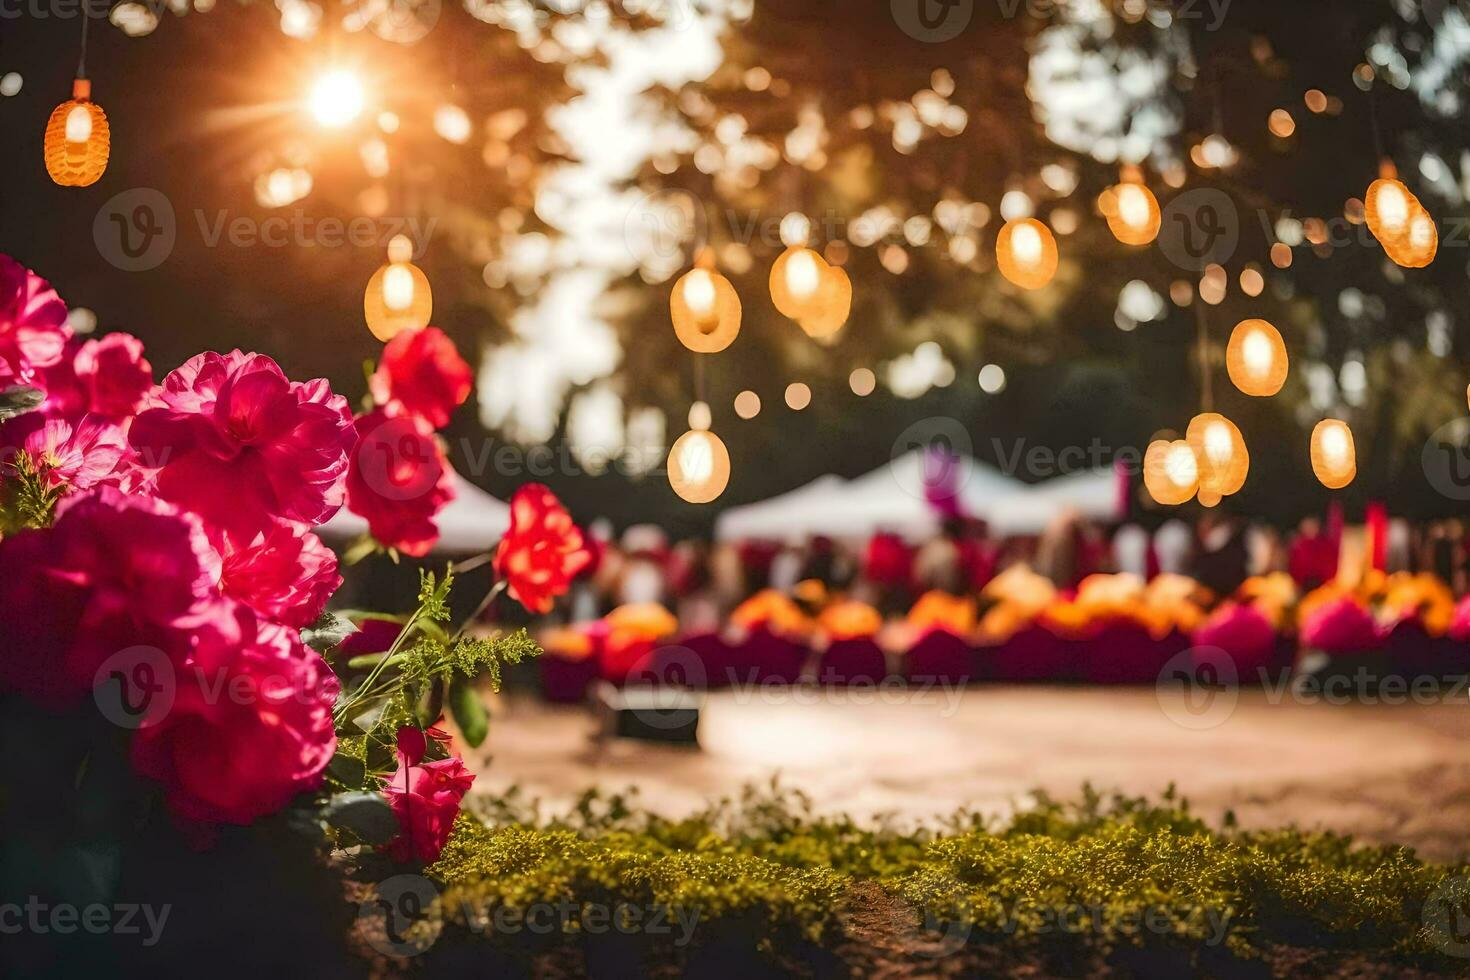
(108, 377)
(285, 575)
(236, 442)
(421, 375)
(398, 480)
(249, 729)
(425, 796)
(542, 551)
(114, 572)
(33, 328)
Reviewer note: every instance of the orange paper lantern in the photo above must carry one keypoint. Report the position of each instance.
(1334, 456)
(1402, 225)
(1222, 457)
(829, 311)
(705, 309)
(1256, 358)
(1133, 212)
(1170, 472)
(796, 281)
(398, 296)
(699, 466)
(1026, 252)
(78, 141)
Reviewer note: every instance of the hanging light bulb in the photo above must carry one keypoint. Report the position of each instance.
(1256, 358)
(398, 296)
(705, 308)
(1420, 245)
(1220, 452)
(1402, 225)
(1132, 210)
(831, 307)
(1170, 472)
(1334, 456)
(78, 141)
(796, 280)
(1026, 252)
(699, 466)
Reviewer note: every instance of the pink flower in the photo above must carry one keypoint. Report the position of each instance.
(1243, 632)
(108, 377)
(33, 328)
(421, 375)
(1460, 626)
(234, 441)
(1340, 625)
(285, 575)
(80, 457)
(115, 571)
(399, 480)
(425, 796)
(249, 729)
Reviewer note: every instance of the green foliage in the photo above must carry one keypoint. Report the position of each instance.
(1101, 873)
(26, 501)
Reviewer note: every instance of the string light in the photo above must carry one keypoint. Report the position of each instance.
(796, 279)
(1256, 358)
(1334, 456)
(1132, 210)
(398, 296)
(1402, 225)
(1170, 472)
(705, 308)
(1221, 454)
(78, 142)
(1026, 252)
(699, 466)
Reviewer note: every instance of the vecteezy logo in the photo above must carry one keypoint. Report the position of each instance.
(1446, 460)
(135, 687)
(932, 21)
(136, 229)
(933, 459)
(1200, 227)
(662, 227)
(1446, 917)
(402, 916)
(397, 461)
(405, 21)
(1198, 689)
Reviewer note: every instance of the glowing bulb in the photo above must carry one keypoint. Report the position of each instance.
(1393, 206)
(1181, 466)
(1335, 446)
(700, 416)
(78, 125)
(1257, 353)
(1219, 443)
(697, 460)
(699, 466)
(1026, 245)
(802, 275)
(699, 292)
(1133, 206)
(398, 288)
(1334, 456)
(336, 98)
(400, 249)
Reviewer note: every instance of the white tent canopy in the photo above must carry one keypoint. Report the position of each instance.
(472, 522)
(1091, 494)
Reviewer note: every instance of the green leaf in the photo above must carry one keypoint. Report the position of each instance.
(348, 770)
(367, 815)
(468, 711)
(327, 632)
(19, 399)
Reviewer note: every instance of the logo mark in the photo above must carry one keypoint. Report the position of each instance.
(135, 230)
(1446, 460)
(1200, 228)
(135, 687)
(933, 459)
(932, 21)
(397, 461)
(405, 21)
(661, 228)
(1198, 688)
(402, 916)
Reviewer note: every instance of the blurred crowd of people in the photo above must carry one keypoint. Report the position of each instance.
(703, 582)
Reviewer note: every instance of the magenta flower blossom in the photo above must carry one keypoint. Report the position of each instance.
(285, 575)
(81, 456)
(399, 481)
(233, 440)
(33, 328)
(115, 571)
(108, 377)
(249, 729)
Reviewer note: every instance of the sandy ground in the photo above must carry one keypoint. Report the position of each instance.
(1384, 772)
